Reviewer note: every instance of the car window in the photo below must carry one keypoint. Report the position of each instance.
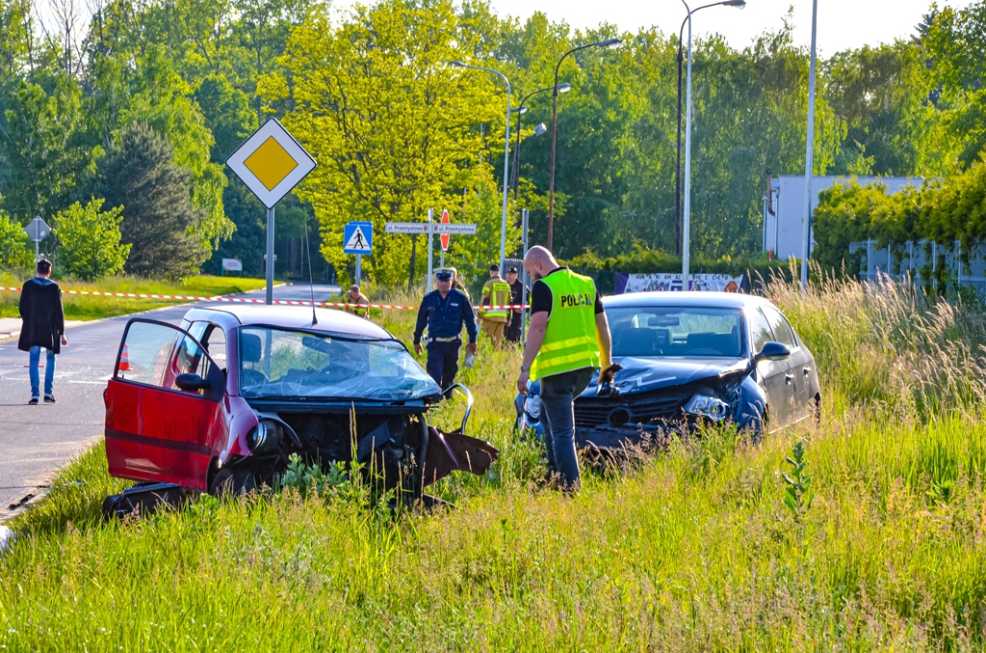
(215, 343)
(783, 332)
(759, 329)
(155, 354)
(692, 331)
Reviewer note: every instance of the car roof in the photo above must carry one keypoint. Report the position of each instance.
(291, 317)
(706, 299)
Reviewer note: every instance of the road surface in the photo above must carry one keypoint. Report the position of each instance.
(36, 441)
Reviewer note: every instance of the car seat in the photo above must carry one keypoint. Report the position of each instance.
(250, 348)
(637, 342)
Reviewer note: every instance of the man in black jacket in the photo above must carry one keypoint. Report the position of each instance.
(43, 327)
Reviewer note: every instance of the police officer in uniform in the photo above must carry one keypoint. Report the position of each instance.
(568, 339)
(443, 311)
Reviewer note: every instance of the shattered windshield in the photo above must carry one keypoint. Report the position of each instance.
(693, 331)
(280, 363)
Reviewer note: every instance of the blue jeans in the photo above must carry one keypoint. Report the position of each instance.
(558, 395)
(34, 357)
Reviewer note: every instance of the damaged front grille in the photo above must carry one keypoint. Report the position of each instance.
(628, 410)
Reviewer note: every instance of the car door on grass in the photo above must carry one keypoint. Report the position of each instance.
(156, 431)
(773, 375)
(799, 363)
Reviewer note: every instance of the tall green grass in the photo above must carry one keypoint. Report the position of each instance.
(82, 307)
(694, 549)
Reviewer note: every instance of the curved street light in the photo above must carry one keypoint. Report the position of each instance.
(506, 156)
(608, 43)
(677, 164)
(686, 221)
(538, 130)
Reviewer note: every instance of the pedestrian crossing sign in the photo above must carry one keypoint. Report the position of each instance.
(357, 238)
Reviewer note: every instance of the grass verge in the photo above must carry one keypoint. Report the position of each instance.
(80, 307)
(708, 546)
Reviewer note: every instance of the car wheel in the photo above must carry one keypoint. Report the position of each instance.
(754, 422)
(232, 483)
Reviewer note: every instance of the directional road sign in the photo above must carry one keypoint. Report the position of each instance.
(357, 238)
(37, 230)
(422, 228)
(271, 163)
(445, 238)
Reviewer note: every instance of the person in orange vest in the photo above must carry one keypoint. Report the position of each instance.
(356, 302)
(496, 294)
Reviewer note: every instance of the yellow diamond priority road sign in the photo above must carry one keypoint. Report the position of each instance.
(271, 163)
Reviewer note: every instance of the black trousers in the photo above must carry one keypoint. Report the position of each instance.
(513, 327)
(443, 362)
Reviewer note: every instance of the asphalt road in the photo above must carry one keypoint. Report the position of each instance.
(36, 441)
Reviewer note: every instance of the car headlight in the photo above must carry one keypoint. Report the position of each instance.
(705, 406)
(265, 437)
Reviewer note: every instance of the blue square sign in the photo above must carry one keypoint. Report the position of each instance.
(357, 238)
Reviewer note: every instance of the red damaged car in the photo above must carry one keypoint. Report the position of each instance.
(221, 402)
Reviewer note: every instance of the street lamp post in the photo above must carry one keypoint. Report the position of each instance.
(809, 152)
(686, 221)
(608, 43)
(540, 129)
(506, 157)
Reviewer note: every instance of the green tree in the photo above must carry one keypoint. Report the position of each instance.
(139, 175)
(15, 251)
(394, 128)
(89, 244)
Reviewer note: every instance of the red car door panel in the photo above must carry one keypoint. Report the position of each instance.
(155, 431)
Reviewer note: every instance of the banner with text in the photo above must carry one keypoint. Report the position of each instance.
(672, 281)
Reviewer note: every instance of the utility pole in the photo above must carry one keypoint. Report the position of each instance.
(806, 214)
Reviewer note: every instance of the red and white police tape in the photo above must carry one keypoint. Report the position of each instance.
(251, 300)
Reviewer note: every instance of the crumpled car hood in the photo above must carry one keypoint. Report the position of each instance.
(648, 374)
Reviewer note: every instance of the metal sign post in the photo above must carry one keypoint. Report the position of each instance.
(269, 257)
(359, 268)
(271, 163)
(431, 214)
(524, 281)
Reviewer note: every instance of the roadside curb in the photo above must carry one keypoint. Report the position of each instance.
(39, 491)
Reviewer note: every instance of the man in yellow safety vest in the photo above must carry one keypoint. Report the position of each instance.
(496, 294)
(567, 340)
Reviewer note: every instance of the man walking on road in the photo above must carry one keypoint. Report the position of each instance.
(43, 328)
(443, 311)
(516, 299)
(496, 292)
(568, 338)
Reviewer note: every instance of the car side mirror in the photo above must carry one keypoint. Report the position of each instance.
(773, 351)
(191, 382)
